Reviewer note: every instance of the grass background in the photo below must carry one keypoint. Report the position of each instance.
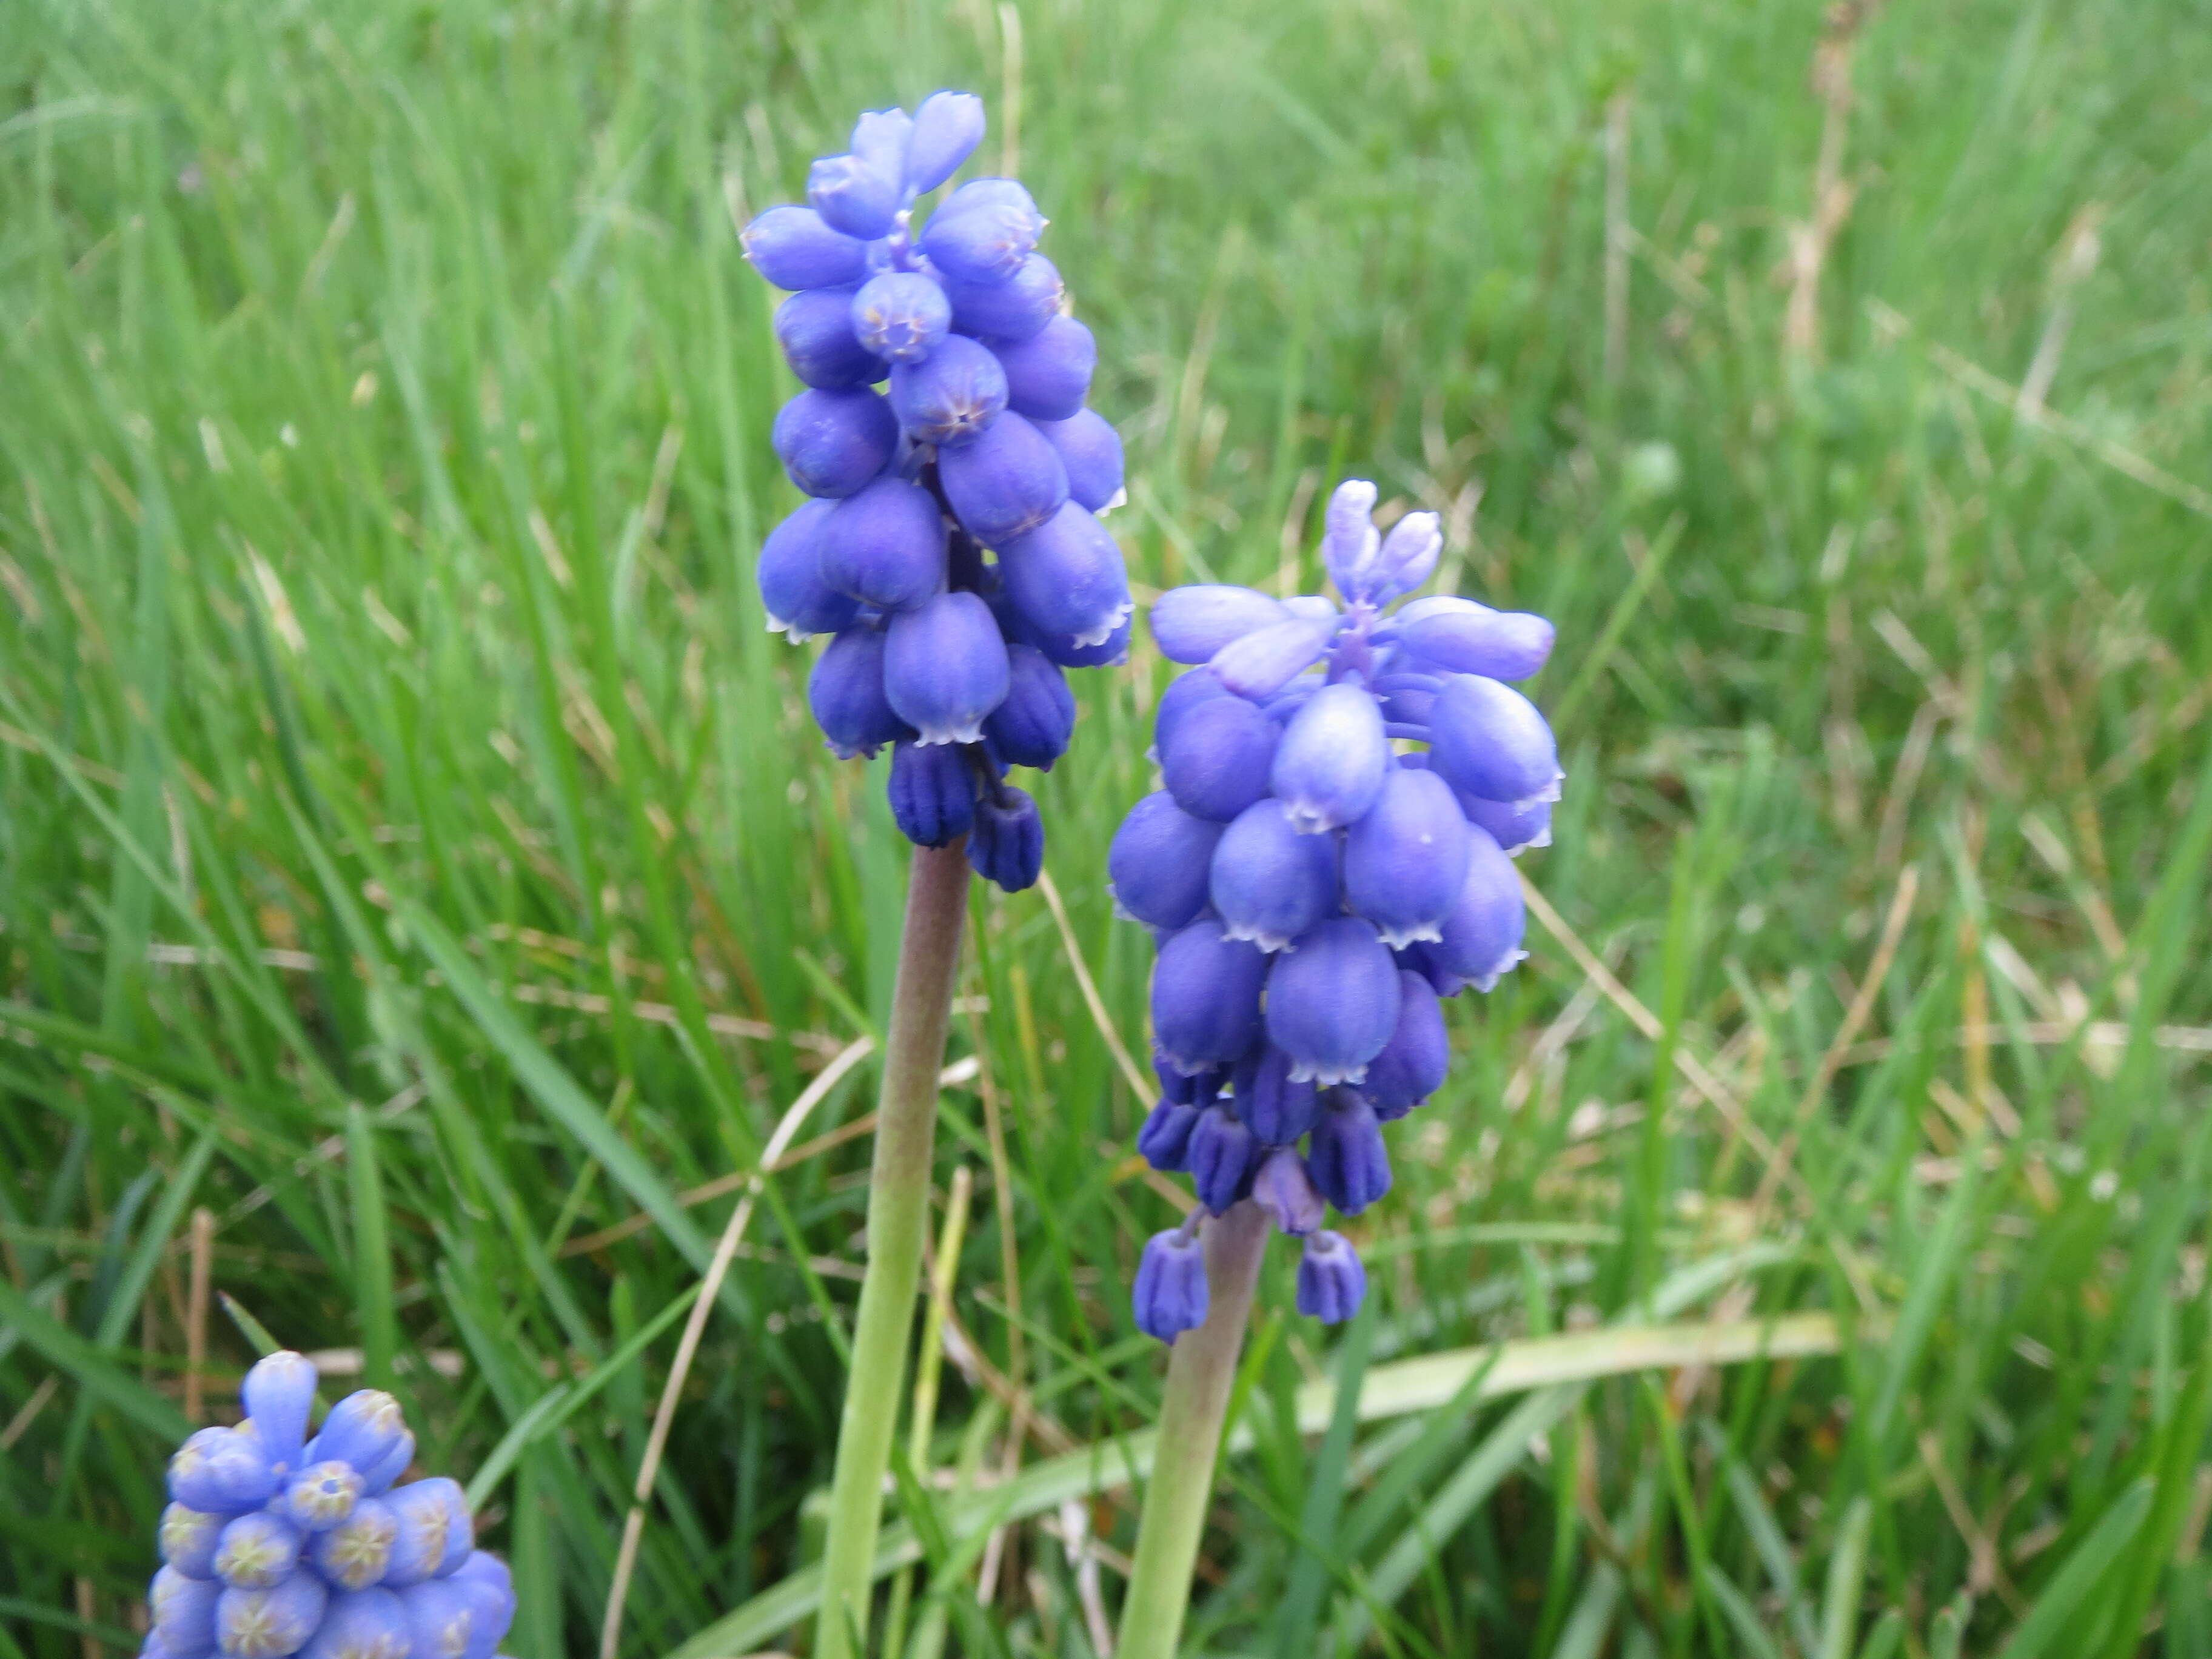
(413, 851)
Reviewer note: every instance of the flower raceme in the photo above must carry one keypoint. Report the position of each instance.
(1328, 855)
(279, 1542)
(951, 547)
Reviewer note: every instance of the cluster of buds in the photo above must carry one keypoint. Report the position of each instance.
(277, 1543)
(982, 445)
(1328, 856)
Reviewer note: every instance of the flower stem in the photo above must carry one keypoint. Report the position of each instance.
(899, 1215)
(1201, 1369)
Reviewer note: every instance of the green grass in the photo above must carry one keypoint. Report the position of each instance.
(413, 849)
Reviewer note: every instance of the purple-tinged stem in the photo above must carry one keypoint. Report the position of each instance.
(898, 1216)
(1201, 1368)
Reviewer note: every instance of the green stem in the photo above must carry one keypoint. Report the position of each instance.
(898, 1214)
(1200, 1371)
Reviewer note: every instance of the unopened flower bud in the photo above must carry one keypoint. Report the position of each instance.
(832, 443)
(900, 315)
(1159, 859)
(950, 396)
(1049, 374)
(1091, 450)
(1346, 1154)
(1171, 1291)
(854, 196)
(845, 693)
(1190, 624)
(794, 247)
(1032, 725)
(947, 127)
(1489, 740)
(1216, 760)
(1012, 308)
(270, 1624)
(1331, 1282)
(884, 545)
(814, 330)
(1008, 482)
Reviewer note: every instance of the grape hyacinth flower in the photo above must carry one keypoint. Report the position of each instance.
(278, 1542)
(1328, 856)
(952, 549)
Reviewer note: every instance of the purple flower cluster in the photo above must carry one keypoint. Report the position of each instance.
(278, 1543)
(982, 443)
(1328, 855)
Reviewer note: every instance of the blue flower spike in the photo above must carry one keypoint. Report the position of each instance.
(952, 552)
(1344, 781)
(280, 1544)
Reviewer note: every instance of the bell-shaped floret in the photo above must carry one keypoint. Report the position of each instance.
(795, 248)
(1408, 556)
(1049, 374)
(277, 1393)
(1515, 828)
(366, 1624)
(980, 242)
(854, 196)
(1164, 1141)
(1159, 860)
(1223, 1157)
(1184, 693)
(1215, 761)
(1269, 883)
(257, 1549)
(799, 602)
(1171, 1295)
(182, 1609)
(1206, 997)
(832, 443)
(1191, 623)
(1263, 662)
(1006, 845)
(1462, 637)
(944, 667)
(441, 1619)
(1011, 309)
(484, 1579)
(1481, 937)
(270, 1624)
(1349, 1162)
(1091, 449)
(222, 1472)
(898, 314)
(1331, 1282)
(321, 1495)
(947, 127)
(1329, 767)
(1406, 861)
(435, 1534)
(815, 330)
(1487, 739)
(187, 1540)
(1413, 1064)
(1349, 545)
(845, 692)
(1280, 1108)
(1111, 652)
(1032, 726)
(1282, 1188)
(1066, 580)
(884, 545)
(1332, 1001)
(1008, 482)
(931, 792)
(949, 396)
(356, 1553)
